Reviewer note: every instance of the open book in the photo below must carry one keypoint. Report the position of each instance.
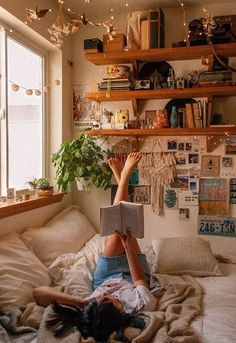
(120, 217)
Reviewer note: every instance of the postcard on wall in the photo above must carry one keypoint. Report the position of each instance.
(233, 191)
(214, 196)
(180, 158)
(188, 198)
(171, 198)
(210, 166)
(230, 144)
(227, 162)
(142, 194)
(84, 109)
(180, 181)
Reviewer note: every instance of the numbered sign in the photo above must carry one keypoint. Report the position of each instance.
(218, 226)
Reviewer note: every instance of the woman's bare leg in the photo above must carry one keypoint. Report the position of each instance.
(114, 246)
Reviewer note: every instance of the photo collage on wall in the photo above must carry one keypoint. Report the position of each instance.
(204, 184)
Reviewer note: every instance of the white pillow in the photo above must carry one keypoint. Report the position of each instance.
(74, 271)
(20, 272)
(67, 232)
(185, 255)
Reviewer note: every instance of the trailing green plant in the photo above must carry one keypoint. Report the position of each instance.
(82, 159)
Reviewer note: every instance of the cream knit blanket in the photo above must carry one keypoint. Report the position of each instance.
(170, 323)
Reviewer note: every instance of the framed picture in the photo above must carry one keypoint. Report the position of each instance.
(150, 116)
(210, 166)
(142, 194)
(214, 196)
(85, 110)
(180, 158)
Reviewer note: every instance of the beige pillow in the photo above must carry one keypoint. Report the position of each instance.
(185, 255)
(68, 232)
(20, 272)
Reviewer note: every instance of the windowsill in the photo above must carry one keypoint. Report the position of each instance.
(10, 209)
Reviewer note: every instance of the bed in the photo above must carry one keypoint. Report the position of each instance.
(196, 293)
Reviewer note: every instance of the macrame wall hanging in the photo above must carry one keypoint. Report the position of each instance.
(159, 170)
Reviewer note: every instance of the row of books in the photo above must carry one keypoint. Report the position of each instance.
(115, 84)
(198, 114)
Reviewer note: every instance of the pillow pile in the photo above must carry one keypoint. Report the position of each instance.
(20, 272)
(66, 232)
(185, 256)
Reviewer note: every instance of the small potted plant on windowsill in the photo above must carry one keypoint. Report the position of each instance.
(41, 186)
(84, 161)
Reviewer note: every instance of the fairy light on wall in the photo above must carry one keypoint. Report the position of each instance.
(186, 33)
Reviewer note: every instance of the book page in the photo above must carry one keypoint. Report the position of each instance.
(110, 220)
(133, 218)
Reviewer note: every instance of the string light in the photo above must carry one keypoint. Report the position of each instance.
(186, 32)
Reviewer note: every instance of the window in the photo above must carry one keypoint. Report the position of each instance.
(22, 114)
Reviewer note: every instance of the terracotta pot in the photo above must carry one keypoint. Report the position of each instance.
(44, 191)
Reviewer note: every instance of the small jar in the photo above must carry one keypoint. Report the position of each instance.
(161, 119)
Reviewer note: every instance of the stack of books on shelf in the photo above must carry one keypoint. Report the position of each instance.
(115, 84)
(198, 114)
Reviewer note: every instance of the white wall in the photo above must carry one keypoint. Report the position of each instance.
(59, 103)
(84, 72)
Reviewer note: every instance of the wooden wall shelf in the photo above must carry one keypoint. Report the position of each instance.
(208, 131)
(164, 54)
(197, 92)
(10, 209)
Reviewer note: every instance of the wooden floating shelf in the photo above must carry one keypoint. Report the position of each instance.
(164, 54)
(197, 92)
(208, 131)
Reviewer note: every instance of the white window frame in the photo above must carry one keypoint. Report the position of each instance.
(4, 154)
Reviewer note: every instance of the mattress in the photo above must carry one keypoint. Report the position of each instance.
(217, 322)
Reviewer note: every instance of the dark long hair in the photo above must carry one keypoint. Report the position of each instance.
(94, 320)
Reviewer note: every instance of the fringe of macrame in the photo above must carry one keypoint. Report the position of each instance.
(159, 170)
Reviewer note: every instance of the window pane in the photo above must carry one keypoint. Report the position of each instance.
(24, 115)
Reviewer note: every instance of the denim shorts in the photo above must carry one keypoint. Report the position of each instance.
(117, 267)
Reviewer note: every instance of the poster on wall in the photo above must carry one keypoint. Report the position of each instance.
(210, 166)
(84, 109)
(142, 194)
(214, 197)
(217, 226)
(171, 198)
(230, 145)
(188, 198)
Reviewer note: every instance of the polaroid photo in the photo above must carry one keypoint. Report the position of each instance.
(194, 173)
(184, 214)
(180, 158)
(193, 158)
(181, 146)
(172, 145)
(188, 146)
(193, 184)
(227, 162)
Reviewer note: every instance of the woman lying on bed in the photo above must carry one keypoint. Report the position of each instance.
(121, 277)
